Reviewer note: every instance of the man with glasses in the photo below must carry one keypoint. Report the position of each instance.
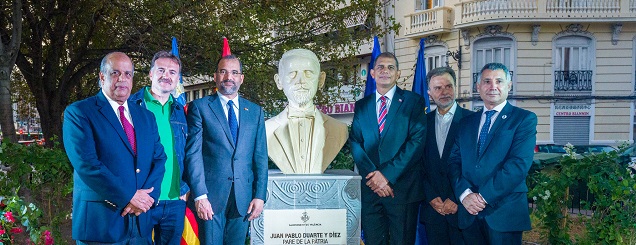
(226, 158)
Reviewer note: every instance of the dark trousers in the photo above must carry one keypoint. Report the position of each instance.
(168, 218)
(443, 233)
(383, 221)
(133, 238)
(481, 233)
(227, 227)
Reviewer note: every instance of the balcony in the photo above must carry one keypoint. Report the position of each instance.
(480, 12)
(428, 22)
(573, 81)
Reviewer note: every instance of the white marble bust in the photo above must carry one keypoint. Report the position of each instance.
(302, 139)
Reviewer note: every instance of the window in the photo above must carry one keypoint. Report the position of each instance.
(573, 64)
(195, 94)
(428, 4)
(493, 49)
(435, 57)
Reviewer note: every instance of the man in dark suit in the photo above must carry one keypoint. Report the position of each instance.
(490, 161)
(117, 158)
(226, 158)
(387, 141)
(439, 211)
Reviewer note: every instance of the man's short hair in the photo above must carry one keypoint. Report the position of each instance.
(301, 53)
(165, 54)
(387, 55)
(440, 71)
(493, 67)
(230, 57)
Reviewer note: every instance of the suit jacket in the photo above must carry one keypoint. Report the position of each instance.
(436, 180)
(397, 153)
(213, 162)
(329, 135)
(499, 172)
(106, 171)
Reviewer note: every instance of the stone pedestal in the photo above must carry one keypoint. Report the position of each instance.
(309, 196)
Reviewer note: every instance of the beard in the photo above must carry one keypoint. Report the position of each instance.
(302, 97)
(228, 91)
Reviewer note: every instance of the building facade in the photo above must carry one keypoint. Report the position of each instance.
(572, 61)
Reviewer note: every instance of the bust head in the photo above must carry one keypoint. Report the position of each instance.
(299, 77)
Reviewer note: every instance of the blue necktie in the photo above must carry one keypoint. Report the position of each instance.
(483, 134)
(231, 120)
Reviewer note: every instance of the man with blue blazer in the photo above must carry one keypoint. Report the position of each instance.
(226, 158)
(387, 141)
(490, 161)
(439, 210)
(117, 158)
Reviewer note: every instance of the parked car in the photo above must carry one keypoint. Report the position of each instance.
(549, 148)
(627, 157)
(593, 149)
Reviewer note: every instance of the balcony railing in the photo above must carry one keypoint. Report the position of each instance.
(499, 11)
(476, 79)
(573, 81)
(429, 21)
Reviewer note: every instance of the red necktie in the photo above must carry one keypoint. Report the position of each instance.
(128, 128)
(382, 116)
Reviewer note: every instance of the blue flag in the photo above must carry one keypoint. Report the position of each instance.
(179, 92)
(419, 82)
(370, 85)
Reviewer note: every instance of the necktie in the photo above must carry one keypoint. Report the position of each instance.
(382, 116)
(483, 134)
(231, 120)
(128, 128)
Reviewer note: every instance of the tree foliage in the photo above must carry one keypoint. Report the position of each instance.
(64, 41)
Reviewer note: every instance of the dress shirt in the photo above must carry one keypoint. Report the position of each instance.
(378, 102)
(442, 125)
(301, 131)
(224, 101)
(497, 109)
(115, 107)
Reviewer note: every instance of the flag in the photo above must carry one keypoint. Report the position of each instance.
(179, 91)
(226, 48)
(190, 229)
(419, 82)
(370, 85)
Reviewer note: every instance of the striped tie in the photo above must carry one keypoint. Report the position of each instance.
(382, 116)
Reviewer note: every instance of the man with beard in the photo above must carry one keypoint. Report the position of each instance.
(226, 158)
(297, 137)
(439, 211)
(169, 215)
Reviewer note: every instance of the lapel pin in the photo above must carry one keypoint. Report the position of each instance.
(504, 116)
(400, 100)
(245, 109)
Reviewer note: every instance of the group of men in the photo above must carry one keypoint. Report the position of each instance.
(140, 159)
(467, 170)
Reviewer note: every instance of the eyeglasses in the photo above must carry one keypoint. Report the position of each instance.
(223, 72)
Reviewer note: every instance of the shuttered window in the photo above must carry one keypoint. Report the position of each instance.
(573, 130)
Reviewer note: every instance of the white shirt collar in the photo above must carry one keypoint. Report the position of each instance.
(388, 94)
(224, 100)
(449, 112)
(116, 105)
(497, 108)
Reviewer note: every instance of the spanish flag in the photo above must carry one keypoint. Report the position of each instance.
(190, 229)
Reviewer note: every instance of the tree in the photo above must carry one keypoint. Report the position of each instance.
(9, 45)
(64, 41)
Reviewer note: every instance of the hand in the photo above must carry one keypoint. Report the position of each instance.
(141, 202)
(184, 197)
(204, 209)
(255, 208)
(474, 203)
(376, 180)
(438, 205)
(450, 207)
(385, 192)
